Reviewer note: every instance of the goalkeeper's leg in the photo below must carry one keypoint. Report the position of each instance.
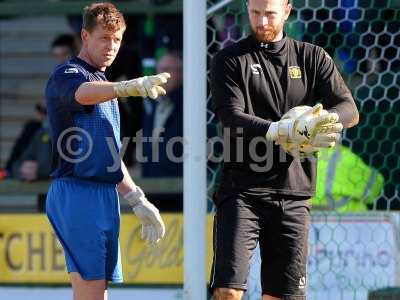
(88, 289)
(226, 293)
(235, 238)
(283, 249)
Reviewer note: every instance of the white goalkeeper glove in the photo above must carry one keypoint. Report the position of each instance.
(314, 126)
(153, 228)
(147, 86)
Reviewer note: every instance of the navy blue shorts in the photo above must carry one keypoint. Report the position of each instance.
(85, 216)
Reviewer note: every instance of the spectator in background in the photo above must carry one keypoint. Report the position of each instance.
(163, 120)
(34, 162)
(25, 138)
(64, 47)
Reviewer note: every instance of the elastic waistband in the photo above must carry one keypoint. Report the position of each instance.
(85, 182)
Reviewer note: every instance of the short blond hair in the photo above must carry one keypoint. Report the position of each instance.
(104, 14)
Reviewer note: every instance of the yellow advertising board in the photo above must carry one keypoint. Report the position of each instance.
(30, 251)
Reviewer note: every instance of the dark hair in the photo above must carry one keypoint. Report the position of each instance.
(64, 40)
(105, 14)
(40, 108)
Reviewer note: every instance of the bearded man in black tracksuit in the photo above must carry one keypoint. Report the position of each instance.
(264, 193)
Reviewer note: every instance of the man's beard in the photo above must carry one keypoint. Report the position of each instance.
(267, 36)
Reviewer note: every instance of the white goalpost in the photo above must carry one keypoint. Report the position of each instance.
(194, 182)
(195, 14)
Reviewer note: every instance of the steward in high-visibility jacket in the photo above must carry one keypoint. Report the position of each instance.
(344, 182)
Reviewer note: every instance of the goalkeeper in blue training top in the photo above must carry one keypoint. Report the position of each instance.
(82, 203)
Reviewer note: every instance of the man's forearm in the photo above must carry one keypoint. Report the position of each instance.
(242, 124)
(94, 92)
(127, 184)
(347, 112)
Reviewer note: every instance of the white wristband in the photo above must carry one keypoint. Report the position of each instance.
(272, 133)
(134, 197)
(120, 89)
(285, 129)
(279, 130)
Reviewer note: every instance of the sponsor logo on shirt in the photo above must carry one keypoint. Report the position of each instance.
(71, 71)
(255, 68)
(302, 282)
(295, 72)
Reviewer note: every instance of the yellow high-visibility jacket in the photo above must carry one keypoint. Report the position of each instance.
(344, 182)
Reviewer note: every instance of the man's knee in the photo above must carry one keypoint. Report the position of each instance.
(87, 289)
(227, 294)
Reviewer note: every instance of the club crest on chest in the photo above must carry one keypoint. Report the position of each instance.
(294, 72)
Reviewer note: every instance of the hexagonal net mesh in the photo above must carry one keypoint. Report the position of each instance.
(363, 38)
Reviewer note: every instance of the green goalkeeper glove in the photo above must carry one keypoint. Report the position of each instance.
(147, 86)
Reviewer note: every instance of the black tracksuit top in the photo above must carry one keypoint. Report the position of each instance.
(254, 84)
